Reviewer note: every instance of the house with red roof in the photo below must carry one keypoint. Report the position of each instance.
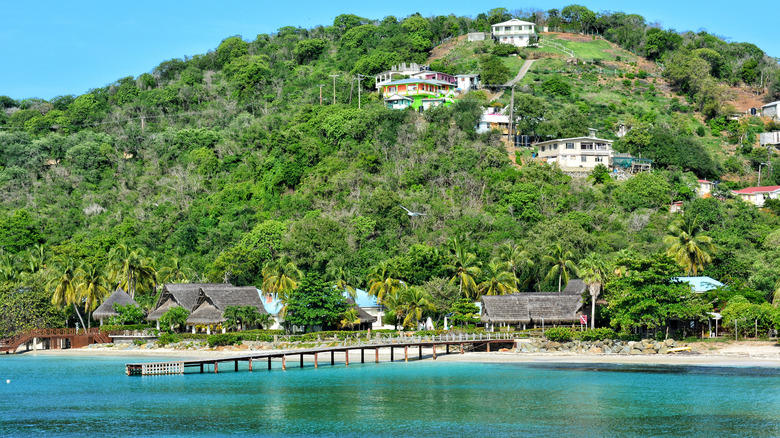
(757, 195)
(705, 188)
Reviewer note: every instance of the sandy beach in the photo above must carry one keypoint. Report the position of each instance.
(726, 353)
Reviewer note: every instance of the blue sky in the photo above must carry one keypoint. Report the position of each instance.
(52, 48)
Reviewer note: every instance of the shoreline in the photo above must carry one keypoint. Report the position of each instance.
(734, 354)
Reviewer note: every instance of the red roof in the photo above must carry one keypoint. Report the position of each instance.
(705, 181)
(754, 190)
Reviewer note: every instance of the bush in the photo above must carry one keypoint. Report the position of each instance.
(224, 339)
(700, 131)
(599, 334)
(559, 334)
(167, 338)
(120, 327)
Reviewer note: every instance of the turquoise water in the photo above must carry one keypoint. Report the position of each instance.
(66, 396)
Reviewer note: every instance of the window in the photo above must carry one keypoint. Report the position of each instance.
(507, 28)
(599, 159)
(584, 159)
(586, 146)
(411, 87)
(542, 148)
(555, 146)
(569, 145)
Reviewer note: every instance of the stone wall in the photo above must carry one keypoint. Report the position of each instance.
(646, 346)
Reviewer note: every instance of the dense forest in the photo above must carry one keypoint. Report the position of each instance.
(227, 166)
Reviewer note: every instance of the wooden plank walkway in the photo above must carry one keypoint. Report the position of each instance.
(460, 341)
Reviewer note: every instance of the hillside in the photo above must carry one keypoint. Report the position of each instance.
(210, 167)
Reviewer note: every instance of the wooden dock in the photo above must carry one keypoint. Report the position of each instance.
(461, 343)
(56, 338)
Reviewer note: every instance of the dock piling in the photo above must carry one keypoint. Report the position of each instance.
(284, 363)
(315, 360)
(406, 353)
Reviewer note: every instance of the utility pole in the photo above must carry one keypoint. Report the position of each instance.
(512, 117)
(359, 78)
(334, 87)
(321, 85)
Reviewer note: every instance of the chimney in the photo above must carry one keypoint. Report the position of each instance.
(592, 132)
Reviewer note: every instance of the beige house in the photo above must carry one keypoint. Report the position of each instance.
(516, 32)
(578, 154)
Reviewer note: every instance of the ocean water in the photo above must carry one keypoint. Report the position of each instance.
(76, 396)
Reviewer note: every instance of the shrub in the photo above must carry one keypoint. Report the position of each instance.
(700, 131)
(166, 338)
(559, 334)
(223, 339)
(598, 334)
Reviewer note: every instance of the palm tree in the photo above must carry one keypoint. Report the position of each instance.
(174, 272)
(91, 287)
(350, 318)
(381, 282)
(561, 264)
(689, 248)
(393, 301)
(516, 258)
(415, 302)
(131, 269)
(465, 267)
(594, 271)
(341, 278)
(498, 279)
(64, 284)
(280, 277)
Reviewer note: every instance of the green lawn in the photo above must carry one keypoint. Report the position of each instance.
(513, 63)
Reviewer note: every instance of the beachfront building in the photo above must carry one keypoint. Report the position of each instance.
(180, 295)
(534, 309)
(209, 310)
(578, 154)
(757, 195)
(106, 309)
(419, 94)
(516, 32)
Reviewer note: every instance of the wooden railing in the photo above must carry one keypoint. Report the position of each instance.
(12, 343)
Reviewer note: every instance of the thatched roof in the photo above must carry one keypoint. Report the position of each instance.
(575, 286)
(365, 317)
(182, 295)
(532, 307)
(106, 310)
(212, 302)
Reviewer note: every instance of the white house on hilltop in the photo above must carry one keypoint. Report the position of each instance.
(516, 32)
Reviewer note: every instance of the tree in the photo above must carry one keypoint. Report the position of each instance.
(492, 71)
(281, 277)
(64, 284)
(174, 272)
(314, 303)
(415, 302)
(464, 312)
(350, 318)
(646, 297)
(381, 282)
(131, 269)
(562, 264)
(173, 318)
(594, 271)
(342, 279)
(127, 314)
(600, 174)
(516, 258)
(465, 268)
(689, 248)
(242, 316)
(498, 280)
(91, 287)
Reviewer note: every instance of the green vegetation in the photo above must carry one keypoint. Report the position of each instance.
(225, 167)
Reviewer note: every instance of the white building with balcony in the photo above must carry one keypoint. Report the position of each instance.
(516, 32)
(578, 154)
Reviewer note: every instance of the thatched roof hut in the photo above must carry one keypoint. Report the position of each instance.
(532, 308)
(106, 310)
(365, 317)
(181, 295)
(575, 286)
(212, 302)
